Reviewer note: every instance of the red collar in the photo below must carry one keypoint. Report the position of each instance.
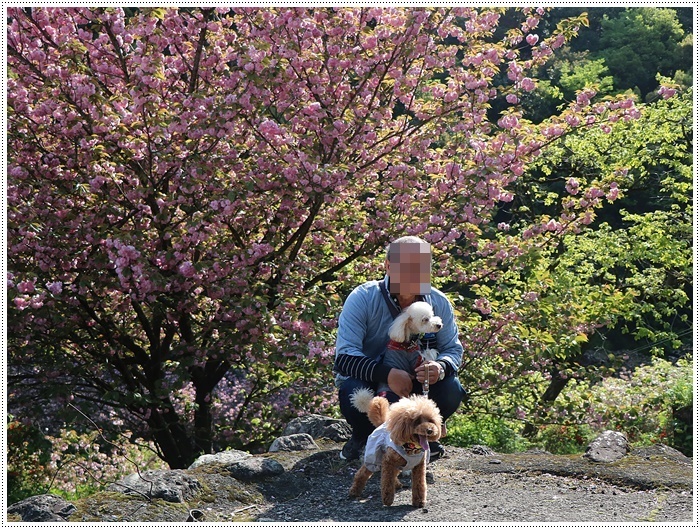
(409, 347)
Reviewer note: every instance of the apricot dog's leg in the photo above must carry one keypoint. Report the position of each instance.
(391, 466)
(358, 484)
(419, 485)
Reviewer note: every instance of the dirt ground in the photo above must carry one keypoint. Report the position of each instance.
(468, 488)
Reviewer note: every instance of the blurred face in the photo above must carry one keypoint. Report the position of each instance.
(408, 268)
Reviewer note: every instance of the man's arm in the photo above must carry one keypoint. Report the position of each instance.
(448, 344)
(350, 359)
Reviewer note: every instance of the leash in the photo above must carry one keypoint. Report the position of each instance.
(426, 384)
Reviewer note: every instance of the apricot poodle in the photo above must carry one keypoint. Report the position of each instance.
(399, 442)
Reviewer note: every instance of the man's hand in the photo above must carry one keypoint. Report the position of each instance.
(433, 372)
(400, 382)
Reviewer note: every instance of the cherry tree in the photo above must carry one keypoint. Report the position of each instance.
(191, 192)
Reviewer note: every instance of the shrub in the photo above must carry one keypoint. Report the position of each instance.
(641, 404)
(72, 464)
(564, 438)
(28, 455)
(652, 404)
(494, 432)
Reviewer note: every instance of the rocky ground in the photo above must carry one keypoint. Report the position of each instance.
(467, 486)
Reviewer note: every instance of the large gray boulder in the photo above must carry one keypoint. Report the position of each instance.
(170, 485)
(319, 426)
(293, 443)
(608, 447)
(255, 468)
(43, 508)
(227, 457)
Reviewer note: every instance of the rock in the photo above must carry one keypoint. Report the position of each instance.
(174, 486)
(662, 450)
(43, 508)
(481, 450)
(255, 468)
(318, 426)
(293, 443)
(607, 447)
(537, 451)
(222, 458)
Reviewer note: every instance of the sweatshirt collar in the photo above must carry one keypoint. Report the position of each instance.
(419, 297)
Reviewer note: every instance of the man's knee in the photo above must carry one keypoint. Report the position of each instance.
(349, 386)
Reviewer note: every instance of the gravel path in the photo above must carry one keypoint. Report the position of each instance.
(468, 488)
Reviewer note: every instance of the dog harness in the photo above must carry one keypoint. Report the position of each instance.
(377, 443)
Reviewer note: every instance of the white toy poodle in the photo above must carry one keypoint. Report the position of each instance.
(404, 348)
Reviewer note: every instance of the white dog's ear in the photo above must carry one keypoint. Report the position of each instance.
(400, 330)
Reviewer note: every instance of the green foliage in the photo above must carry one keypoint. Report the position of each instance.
(642, 244)
(496, 433)
(577, 76)
(641, 42)
(622, 280)
(28, 457)
(564, 438)
(639, 404)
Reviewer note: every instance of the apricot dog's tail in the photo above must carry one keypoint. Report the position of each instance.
(376, 408)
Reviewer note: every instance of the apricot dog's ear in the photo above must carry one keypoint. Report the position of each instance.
(401, 421)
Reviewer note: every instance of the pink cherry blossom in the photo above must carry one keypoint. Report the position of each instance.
(509, 121)
(572, 186)
(25, 287)
(21, 303)
(528, 84)
(483, 306)
(667, 92)
(187, 269)
(55, 287)
(558, 42)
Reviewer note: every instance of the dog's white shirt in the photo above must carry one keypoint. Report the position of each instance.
(377, 443)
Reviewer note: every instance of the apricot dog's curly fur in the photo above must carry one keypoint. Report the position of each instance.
(411, 421)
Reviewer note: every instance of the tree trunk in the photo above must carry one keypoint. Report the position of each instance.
(205, 380)
(170, 436)
(556, 386)
(203, 423)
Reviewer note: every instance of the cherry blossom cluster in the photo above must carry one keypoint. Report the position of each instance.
(181, 182)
